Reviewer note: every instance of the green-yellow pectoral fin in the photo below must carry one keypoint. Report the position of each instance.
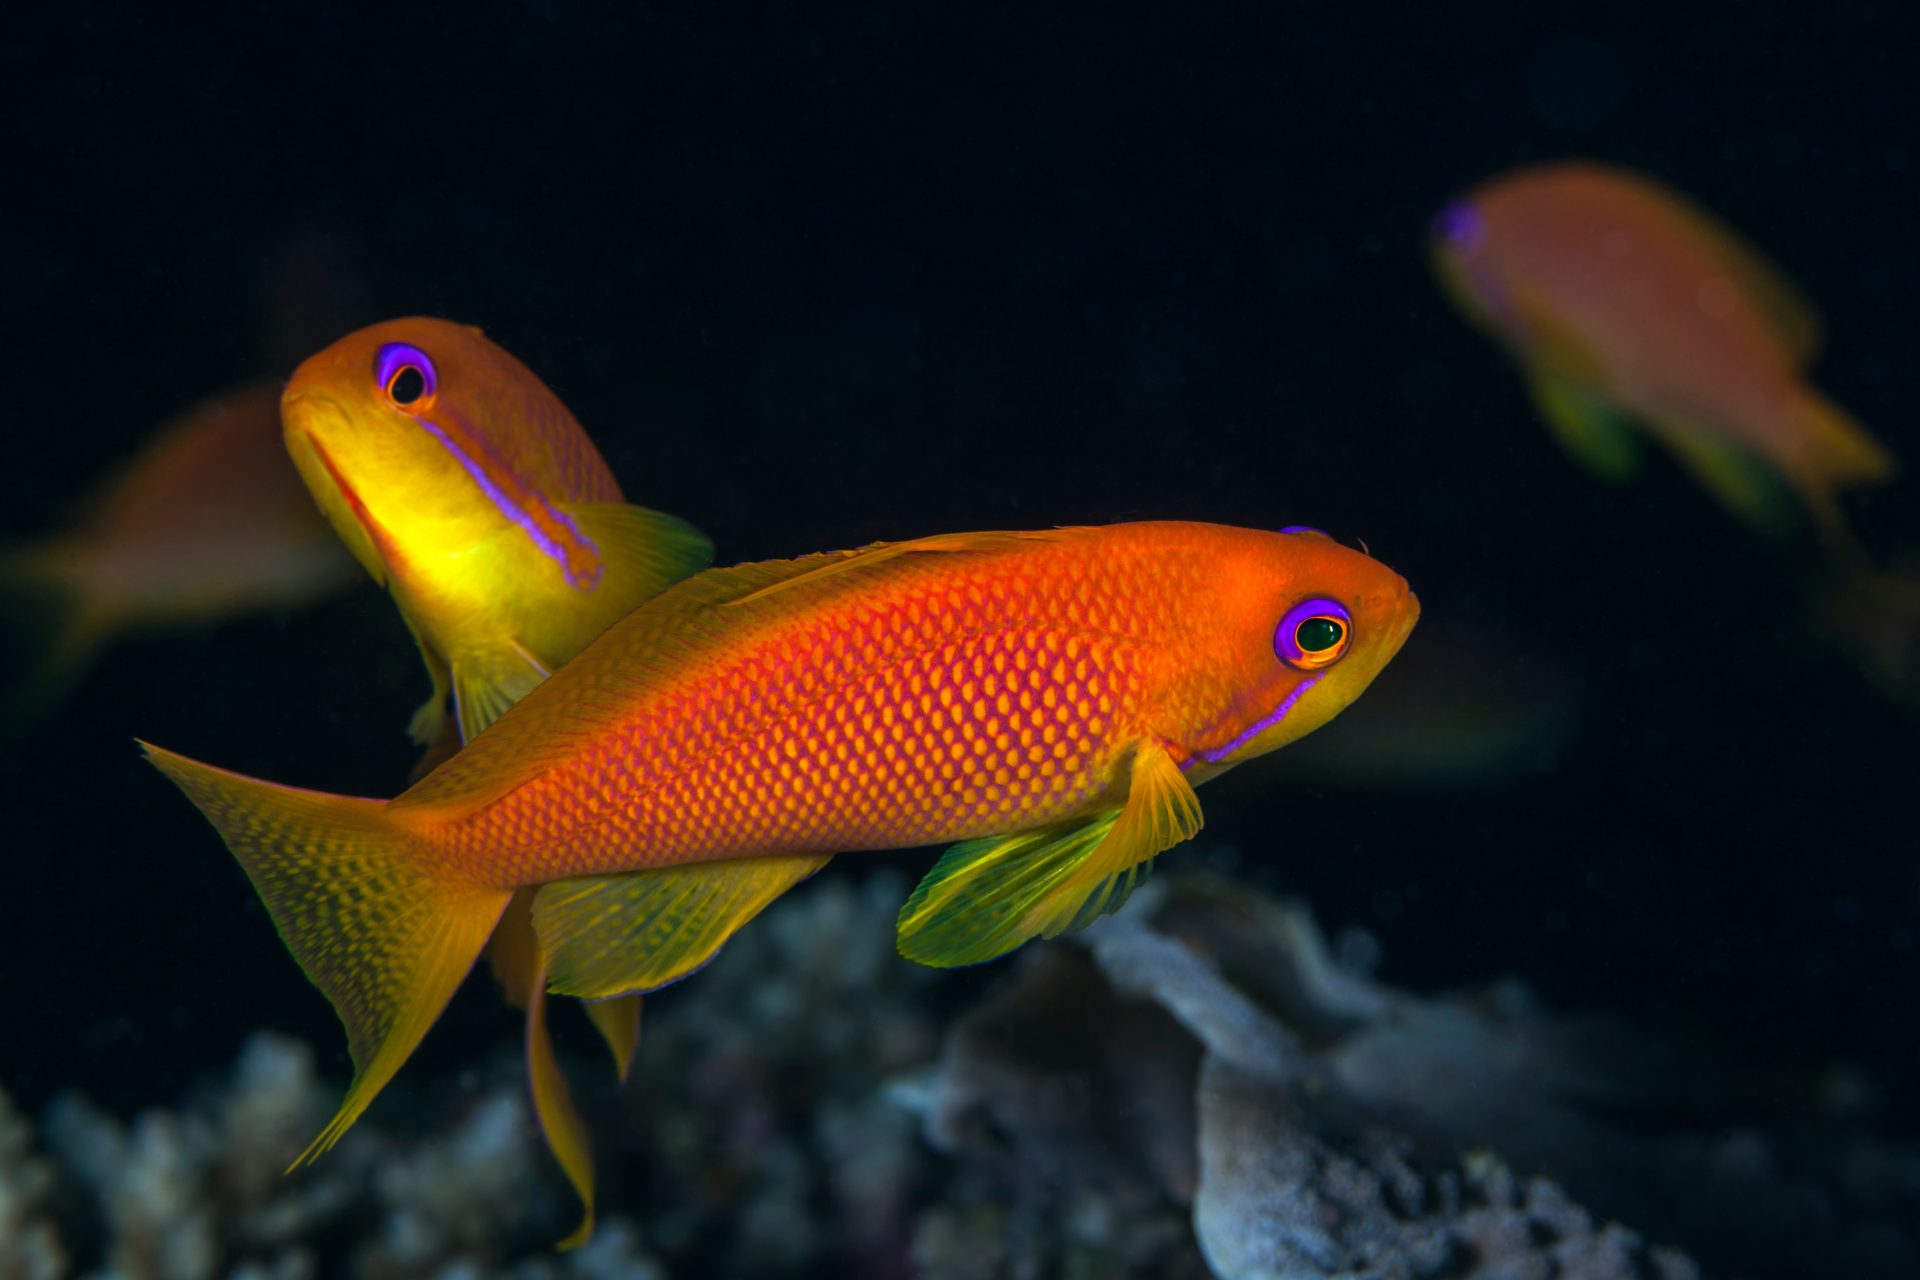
(488, 681)
(640, 930)
(371, 916)
(986, 897)
(560, 1121)
(644, 552)
(618, 1022)
(1590, 428)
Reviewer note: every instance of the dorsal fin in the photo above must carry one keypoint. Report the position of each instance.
(658, 640)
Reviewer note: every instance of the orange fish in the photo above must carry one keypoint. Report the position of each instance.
(207, 522)
(1050, 700)
(1623, 301)
(464, 486)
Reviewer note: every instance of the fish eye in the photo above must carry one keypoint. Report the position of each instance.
(407, 385)
(405, 374)
(1314, 634)
(1459, 224)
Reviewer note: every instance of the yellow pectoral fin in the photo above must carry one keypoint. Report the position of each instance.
(986, 897)
(371, 915)
(1590, 428)
(618, 1022)
(640, 930)
(559, 1119)
(488, 681)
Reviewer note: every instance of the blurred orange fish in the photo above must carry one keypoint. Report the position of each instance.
(208, 521)
(1622, 300)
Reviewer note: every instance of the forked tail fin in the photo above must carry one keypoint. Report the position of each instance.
(376, 921)
(1844, 452)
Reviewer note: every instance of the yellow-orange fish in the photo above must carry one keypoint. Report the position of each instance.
(1622, 300)
(465, 486)
(467, 489)
(1050, 700)
(206, 522)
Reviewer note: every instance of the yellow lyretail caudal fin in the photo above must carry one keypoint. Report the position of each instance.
(553, 1104)
(638, 931)
(369, 913)
(986, 897)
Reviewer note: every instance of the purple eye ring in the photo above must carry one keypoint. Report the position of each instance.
(1309, 530)
(405, 375)
(1314, 634)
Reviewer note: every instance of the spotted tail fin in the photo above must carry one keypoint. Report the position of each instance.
(378, 923)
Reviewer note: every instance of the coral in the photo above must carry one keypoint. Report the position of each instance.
(1193, 1088)
(30, 1247)
(1202, 1053)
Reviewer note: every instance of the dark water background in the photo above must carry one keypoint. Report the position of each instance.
(883, 271)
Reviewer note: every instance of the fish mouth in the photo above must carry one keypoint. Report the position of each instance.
(374, 529)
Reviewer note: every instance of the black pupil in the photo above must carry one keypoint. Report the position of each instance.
(407, 386)
(1317, 635)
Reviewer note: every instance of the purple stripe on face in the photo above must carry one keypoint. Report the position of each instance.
(1278, 714)
(518, 514)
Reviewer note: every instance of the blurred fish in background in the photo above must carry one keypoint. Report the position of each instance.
(1631, 310)
(1627, 306)
(206, 522)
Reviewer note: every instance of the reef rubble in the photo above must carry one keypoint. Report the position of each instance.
(1196, 1087)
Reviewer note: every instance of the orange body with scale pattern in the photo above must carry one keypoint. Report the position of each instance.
(945, 696)
(1049, 700)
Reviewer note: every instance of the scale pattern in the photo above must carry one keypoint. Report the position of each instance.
(959, 695)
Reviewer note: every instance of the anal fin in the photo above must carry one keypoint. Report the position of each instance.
(1742, 481)
(986, 897)
(560, 1121)
(618, 1021)
(640, 930)
(514, 956)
